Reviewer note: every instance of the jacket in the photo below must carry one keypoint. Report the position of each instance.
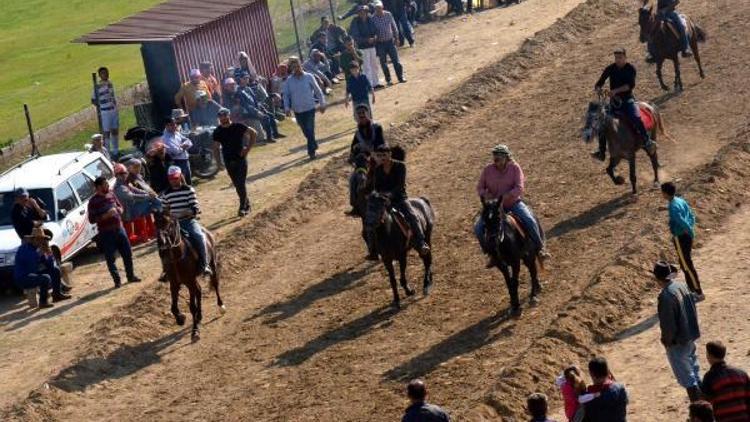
(681, 217)
(361, 31)
(678, 317)
(610, 406)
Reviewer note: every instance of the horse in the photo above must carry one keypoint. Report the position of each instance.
(622, 139)
(387, 234)
(667, 43)
(180, 262)
(508, 247)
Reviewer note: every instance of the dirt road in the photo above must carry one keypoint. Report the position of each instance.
(310, 336)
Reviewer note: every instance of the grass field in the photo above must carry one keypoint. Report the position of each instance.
(40, 65)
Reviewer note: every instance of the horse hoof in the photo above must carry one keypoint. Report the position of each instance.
(222, 309)
(195, 336)
(409, 292)
(515, 312)
(180, 319)
(619, 180)
(427, 289)
(534, 301)
(396, 304)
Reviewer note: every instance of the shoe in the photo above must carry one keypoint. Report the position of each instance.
(207, 271)
(402, 81)
(46, 305)
(352, 213)
(699, 297)
(280, 136)
(389, 83)
(270, 141)
(599, 155)
(57, 297)
(118, 284)
(312, 156)
(134, 279)
(379, 86)
(335, 81)
(650, 59)
(65, 289)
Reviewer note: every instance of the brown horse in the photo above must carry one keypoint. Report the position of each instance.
(667, 44)
(180, 262)
(622, 140)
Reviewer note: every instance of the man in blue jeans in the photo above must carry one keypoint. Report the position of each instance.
(302, 94)
(678, 320)
(387, 31)
(35, 268)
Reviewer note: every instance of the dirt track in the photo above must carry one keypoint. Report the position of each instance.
(310, 336)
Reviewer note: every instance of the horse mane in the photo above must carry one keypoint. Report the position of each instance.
(398, 153)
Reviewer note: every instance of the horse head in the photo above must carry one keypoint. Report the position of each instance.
(494, 219)
(377, 207)
(646, 21)
(167, 230)
(596, 116)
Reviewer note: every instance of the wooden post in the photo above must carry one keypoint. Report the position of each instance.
(296, 32)
(96, 100)
(34, 149)
(333, 11)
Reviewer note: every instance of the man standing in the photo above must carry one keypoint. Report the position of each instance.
(35, 268)
(386, 42)
(358, 90)
(678, 320)
(106, 212)
(302, 95)
(208, 76)
(610, 400)
(682, 228)
(621, 75)
(177, 147)
(104, 99)
(726, 387)
(365, 35)
(135, 202)
(26, 213)
(405, 31)
(235, 141)
(419, 410)
(185, 97)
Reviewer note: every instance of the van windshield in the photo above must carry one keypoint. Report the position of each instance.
(44, 196)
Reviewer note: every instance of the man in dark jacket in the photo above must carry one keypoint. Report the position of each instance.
(678, 320)
(726, 387)
(26, 213)
(610, 398)
(365, 36)
(420, 411)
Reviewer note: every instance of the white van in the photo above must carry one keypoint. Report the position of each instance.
(64, 182)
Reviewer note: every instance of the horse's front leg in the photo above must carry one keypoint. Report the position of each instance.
(388, 262)
(613, 162)
(536, 287)
(659, 75)
(677, 75)
(175, 290)
(404, 281)
(632, 175)
(512, 286)
(515, 269)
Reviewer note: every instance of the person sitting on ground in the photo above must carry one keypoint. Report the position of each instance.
(536, 407)
(621, 75)
(725, 386)
(503, 180)
(316, 66)
(97, 145)
(332, 43)
(26, 213)
(35, 268)
(420, 410)
(358, 90)
(183, 205)
(611, 398)
(265, 104)
(158, 163)
(186, 95)
(573, 389)
(701, 411)
(389, 178)
(204, 113)
(136, 202)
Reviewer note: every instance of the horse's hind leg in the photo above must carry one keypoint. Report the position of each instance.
(632, 175)
(677, 74)
(697, 56)
(427, 281)
(175, 290)
(655, 166)
(404, 281)
(660, 76)
(388, 262)
(215, 284)
(195, 310)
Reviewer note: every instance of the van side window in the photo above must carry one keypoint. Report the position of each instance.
(83, 186)
(99, 168)
(66, 200)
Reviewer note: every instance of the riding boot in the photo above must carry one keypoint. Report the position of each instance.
(694, 393)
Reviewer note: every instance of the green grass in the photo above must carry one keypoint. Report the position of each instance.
(40, 66)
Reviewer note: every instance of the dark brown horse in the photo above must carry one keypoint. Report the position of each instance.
(667, 43)
(180, 262)
(622, 139)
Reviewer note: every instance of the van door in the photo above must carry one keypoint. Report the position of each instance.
(84, 189)
(69, 218)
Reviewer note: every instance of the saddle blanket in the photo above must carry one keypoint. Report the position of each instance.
(647, 116)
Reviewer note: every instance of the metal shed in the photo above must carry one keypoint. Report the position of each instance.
(177, 35)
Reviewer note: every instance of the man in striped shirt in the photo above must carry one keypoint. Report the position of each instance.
(726, 387)
(183, 205)
(104, 99)
(387, 31)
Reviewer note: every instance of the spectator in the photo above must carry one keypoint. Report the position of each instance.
(278, 79)
(365, 35)
(183, 206)
(536, 407)
(252, 110)
(398, 10)
(358, 90)
(35, 268)
(26, 213)
(97, 145)
(682, 227)
(678, 320)
(265, 104)
(246, 64)
(573, 389)
(420, 410)
(701, 411)
(349, 56)
(333, 43)
(387, 31)
(208, 75)
(106, 212)
(186, 97)
(316, 66)
(135, 178)
(177, 146)
(204, 113)
(726, 387)
(355, 9)
(228, 93)
(104, 98)
(158, 163)
(135, 202)
(610, 398)
(235, 141)
(303, 96)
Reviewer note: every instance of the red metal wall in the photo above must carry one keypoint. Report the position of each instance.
(249, 29)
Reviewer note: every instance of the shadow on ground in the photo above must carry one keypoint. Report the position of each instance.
(590, 217)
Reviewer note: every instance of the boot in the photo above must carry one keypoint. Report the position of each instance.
(57, 297)
(694, 393)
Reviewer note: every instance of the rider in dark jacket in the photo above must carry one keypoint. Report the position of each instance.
(666, 10)
(369, 135)
(389, 177)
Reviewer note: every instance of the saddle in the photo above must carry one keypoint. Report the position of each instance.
(672, 28)
(515, 222)
(402, 224)
(647, 117)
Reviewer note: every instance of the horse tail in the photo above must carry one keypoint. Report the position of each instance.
(398, 153)
(700, 34)
(661, 128)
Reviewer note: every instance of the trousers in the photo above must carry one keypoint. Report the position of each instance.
(683, 244)
(237, 170)
(111, 242)
(196, 238)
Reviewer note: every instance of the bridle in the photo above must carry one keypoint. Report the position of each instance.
(495, 208)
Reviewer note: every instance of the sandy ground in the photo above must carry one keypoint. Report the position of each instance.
(310, 334)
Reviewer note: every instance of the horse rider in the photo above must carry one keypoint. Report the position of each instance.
(667, 10)
(367, 137)
(621, 75)
(183, 206)
(504, 180)
(389, 178)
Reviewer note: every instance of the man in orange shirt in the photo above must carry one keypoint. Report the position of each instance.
(186, 96)
(209, 77)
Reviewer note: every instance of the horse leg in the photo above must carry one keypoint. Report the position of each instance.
(677, 75)
(215, 285)
(404, 281)
(392, 278)
(632, 175)
(427, 282)
(175, 290)
(515, 269)
(195, 310)
(613, 162)
(659, 64)
(697, 56)
(515, 306)
(536, 287)
(655, 165)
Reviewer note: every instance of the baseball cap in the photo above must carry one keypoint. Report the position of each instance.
(174, 172)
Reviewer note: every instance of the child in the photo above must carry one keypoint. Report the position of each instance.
(572, 386)
(682, 227)
(358, 89)
(536, 407)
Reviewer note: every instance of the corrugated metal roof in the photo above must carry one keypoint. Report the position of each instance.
(164, 22)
